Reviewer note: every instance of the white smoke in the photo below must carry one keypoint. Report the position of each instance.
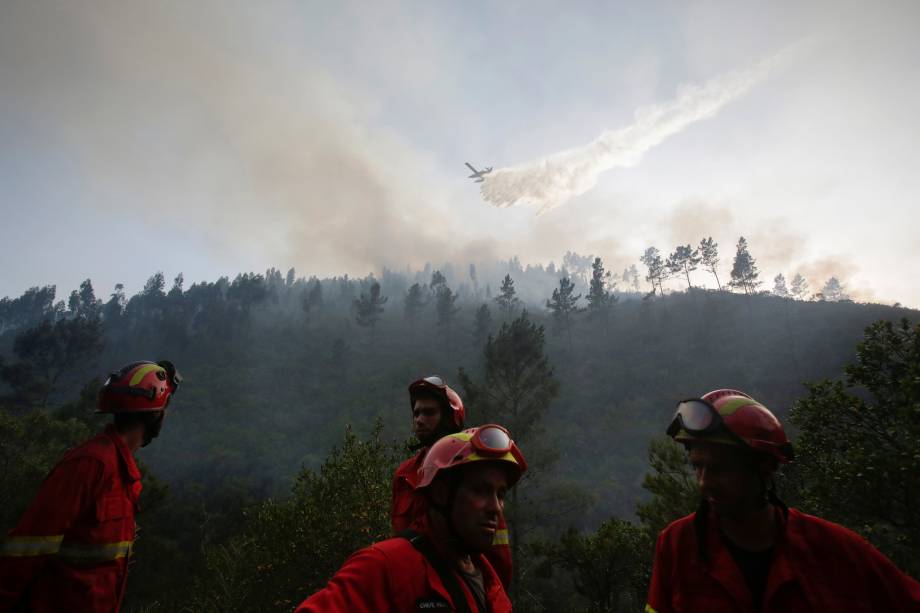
(555, 179)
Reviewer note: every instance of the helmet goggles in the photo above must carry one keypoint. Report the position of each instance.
(432, 381)
(491, 440)
(699, 418)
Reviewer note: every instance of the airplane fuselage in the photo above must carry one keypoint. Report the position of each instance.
(478, 176)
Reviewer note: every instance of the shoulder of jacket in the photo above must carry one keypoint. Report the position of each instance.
(395, 558)
(396, 546)
(678, 528)
(410, 464)
(100, 448)
(821, 532)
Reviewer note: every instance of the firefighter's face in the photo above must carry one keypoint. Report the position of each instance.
(153, 427)
(478, 504)
(426, 417)
(728, 479)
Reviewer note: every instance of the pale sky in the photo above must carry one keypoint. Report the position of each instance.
(211, 138)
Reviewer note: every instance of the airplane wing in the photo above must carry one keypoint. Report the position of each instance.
(470, 167)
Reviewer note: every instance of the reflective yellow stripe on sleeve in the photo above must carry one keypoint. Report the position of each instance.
(649, 609)
(79, 552)
(501, 537)
(20, 546)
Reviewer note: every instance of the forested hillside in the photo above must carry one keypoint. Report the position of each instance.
(277, 368)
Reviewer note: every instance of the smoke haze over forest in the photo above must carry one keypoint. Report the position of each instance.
(209, 138)
(272, 196)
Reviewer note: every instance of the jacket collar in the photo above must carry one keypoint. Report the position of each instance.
(408, 470)
(490, 580)
(127, 458)
(722, 566)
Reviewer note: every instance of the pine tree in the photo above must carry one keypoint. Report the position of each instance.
(744, 269)
(116, 305)
(73, 304)
(506, 300)
(368, 307)
(482, 326)
(155, 285)
(834, 291)
(437, 281)
(799, 288)
(709, 256)
(633, 277)
(91, 308)
(576, 265)
(600, 298)
(684, 260)
(413, 303)
(176, 290)
(312, 299)
(564, 305)
(474, 278)
(779, 286)
(446, 309)
(518, 389)
(656, 268)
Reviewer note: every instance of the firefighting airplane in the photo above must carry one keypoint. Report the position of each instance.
(478, 176)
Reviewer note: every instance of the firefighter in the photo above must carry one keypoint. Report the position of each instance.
(743, 549)
(437, 410)
(438, 564)
(70, 550)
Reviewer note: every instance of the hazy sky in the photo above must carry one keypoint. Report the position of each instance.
(217, 137)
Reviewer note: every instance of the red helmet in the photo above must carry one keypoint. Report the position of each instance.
(490, 442)
(139, 387)
(748, 423)
(436, 386)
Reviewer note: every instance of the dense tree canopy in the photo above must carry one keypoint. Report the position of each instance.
(278, 366)
(858, 456)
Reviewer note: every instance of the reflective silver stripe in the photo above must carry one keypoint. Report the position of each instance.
(501, 537)
(81, 552)
(19, 546)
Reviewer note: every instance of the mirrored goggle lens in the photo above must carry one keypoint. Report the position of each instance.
(436, 381)
(494, 439)
(696, 415)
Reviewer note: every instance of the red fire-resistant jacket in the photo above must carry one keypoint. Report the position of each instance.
(408, 511)
(406, 505)
(70, 550)
(393, 576)
(817, 566)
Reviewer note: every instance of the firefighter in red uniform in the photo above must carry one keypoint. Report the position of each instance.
(437, 410)
(70, 550)
(438, 565)
(743, 549)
